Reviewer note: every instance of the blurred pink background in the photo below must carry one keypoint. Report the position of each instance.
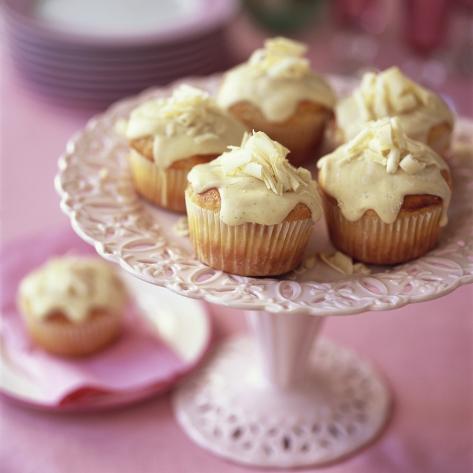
(425, 350)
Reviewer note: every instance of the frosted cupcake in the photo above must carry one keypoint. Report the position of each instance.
(250, 212)
(385, 195)
(168, 136)
(73, 306)
(423, 115)
(276, 92)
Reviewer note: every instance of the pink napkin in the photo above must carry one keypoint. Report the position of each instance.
(137, 361)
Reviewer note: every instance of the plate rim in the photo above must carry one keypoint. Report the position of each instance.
(119, 397)
(214, 15)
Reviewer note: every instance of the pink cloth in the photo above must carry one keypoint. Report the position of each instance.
(425, 351)
(136, 362)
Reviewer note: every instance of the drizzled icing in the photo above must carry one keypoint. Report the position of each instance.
(186, 124)
(281, 58)
(73, 286)
(275, 79)
(256, 183)
(387, 94)
(378, 168)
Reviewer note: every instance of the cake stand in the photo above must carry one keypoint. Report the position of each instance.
(277, 399)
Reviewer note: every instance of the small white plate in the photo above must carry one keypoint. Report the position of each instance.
(182, 323)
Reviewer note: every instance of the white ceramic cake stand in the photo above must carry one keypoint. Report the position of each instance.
(277, 399)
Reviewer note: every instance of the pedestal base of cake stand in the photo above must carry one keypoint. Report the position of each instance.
(279, 400)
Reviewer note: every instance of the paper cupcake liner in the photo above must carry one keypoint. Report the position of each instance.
(164, 187)
(75, 339)
(249, 249)
(370, 240)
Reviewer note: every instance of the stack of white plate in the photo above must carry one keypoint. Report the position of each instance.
(93, 52)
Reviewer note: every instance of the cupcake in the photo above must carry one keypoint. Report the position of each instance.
(423, 115)
(276, 92)
(249, 211)
(168, 136)
(385, 195)
(73, 306)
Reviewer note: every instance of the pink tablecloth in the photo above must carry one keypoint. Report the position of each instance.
(425, 351)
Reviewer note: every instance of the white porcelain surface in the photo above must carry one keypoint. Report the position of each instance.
(182, 323)
(108, 213)
(86, 56)
(282, 401)
(331, 404)
(115, 17)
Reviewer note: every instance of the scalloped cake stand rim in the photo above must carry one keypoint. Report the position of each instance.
(245, 306)
(371, 302)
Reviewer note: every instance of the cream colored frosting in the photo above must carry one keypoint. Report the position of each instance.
(275, 79)
(378, 168)
(186, 124)
(387, 94)
(74, 286)
(257, 183)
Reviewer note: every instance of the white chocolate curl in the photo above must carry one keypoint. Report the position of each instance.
(264, 159)
(256, 182)
(281, 57)
(276, 79)
(387, 94)
(187, 123)
(74, 286)
(378, 168)
(343, 263)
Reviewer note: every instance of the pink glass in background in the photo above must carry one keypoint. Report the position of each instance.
(359, 14)
(463, 30)
(425, 24)
(467, 4)
(359, 25)
(430, 40)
